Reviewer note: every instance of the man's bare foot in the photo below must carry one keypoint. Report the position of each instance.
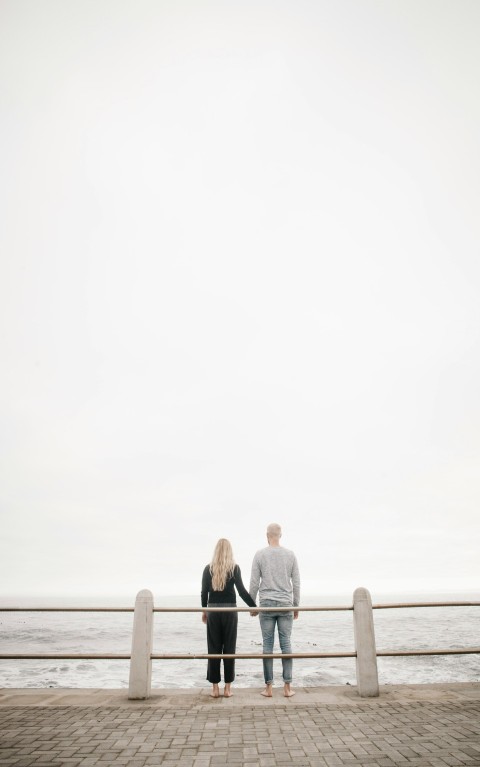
(287, 691)
(215, 691)
(267, 692)
(227, 693)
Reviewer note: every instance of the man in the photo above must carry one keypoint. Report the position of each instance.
(275, 574)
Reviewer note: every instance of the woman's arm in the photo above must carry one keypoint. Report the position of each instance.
(206, 584)
(237, 575)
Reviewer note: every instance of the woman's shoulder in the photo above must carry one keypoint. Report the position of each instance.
(206, 569)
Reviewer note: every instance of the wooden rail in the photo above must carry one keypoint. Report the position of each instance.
(244, 656)
(142, 653)
(316, 608)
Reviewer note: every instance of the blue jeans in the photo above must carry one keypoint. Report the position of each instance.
(284, 623)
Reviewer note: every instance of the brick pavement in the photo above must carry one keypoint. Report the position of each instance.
(373, 733)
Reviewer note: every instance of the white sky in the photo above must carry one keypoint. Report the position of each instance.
(240, 282)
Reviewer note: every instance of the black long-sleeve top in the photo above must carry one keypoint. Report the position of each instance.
(227, 596)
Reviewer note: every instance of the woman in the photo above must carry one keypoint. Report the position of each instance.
(218, 590)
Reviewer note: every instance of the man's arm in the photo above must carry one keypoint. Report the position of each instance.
(255, 578)
(295, 585)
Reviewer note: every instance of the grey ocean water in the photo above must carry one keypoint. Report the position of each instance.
(410, 628)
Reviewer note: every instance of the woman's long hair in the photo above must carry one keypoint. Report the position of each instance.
(222, 564)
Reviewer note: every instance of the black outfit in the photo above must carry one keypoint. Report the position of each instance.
(222, 627)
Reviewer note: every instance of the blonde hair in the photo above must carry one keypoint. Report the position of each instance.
(222, 564)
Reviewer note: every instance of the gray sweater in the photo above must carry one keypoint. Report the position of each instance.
(275, 574)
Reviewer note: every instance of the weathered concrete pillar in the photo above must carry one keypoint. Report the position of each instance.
(367, 674)
(142, 641)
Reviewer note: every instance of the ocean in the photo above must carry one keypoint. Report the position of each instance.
(408, 628)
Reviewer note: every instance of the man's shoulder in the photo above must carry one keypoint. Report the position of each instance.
(262, 552)
(272, 551)
(288, 555)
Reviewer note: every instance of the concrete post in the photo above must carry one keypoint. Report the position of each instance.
(367, 674)
(142, 641)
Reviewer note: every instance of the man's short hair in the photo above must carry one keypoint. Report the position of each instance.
(274, 530)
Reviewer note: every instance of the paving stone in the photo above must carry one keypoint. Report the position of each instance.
(370, 734)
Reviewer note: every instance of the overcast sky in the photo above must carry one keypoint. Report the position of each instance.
(240, 283)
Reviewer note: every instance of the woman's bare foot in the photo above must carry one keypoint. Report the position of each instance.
(227, 693)
(215, 691)
(287, 690)
(267, 692)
